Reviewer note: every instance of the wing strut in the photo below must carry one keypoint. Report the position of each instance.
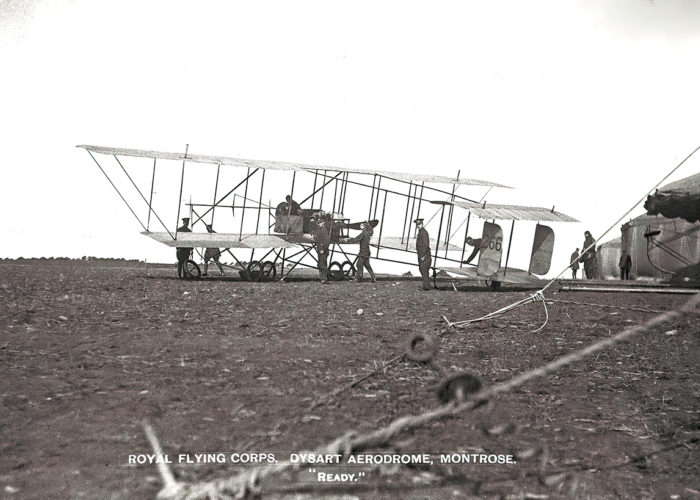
(250, 174)
(510, 240)
(148, 224)
(381, 224)
(118, 192)
(216, 189)
(182, 183)
(150, 201)
(405, 217)
(321, 189)
(420, 200)
(260, 203)
(245, 195)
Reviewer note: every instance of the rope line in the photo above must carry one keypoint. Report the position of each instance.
(240, 486)
(535, 297)
(605, 306)
(539, 297)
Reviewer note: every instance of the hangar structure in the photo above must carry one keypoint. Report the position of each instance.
(664, 243)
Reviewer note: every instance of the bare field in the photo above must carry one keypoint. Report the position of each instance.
(90, 352)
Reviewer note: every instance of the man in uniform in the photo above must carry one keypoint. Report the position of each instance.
(322, 240)
(625, 265)
(288, 207)
(363, 256)
(212, 254)
(476, 243)
(423, 251)
(574, 263)
(590, 263)
(283, 211)
(183, 253)
(295, 207)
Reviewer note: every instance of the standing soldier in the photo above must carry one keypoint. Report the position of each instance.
(573, 260)
(183, 253)
(212, 254)
(590, 263)
(322, 240)
(625, 265)
(423, 251)
(363, 256)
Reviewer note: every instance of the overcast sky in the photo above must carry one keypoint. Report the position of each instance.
(580, 104)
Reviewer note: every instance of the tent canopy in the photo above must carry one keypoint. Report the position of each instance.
(677, 199)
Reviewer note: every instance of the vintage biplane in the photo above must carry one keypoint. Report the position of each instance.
(275, 240)
(491, 242)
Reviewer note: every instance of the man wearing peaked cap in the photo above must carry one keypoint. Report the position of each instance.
(423, 251)
(212, 254)
(183, 253)
(363, 255)
(322, 240)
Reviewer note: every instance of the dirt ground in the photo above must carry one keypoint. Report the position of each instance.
(88, 353)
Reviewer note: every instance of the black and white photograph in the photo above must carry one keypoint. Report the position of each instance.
(300, 250)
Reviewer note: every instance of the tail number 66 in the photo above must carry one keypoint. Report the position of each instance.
(496, 244)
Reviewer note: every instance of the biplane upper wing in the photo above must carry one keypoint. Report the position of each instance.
(409, 177)
(214, 160)
(510, 212)
(221, 240)
(279, 165)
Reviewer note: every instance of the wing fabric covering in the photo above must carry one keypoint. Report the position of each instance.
(542, 248)
(513, 212)
(220, 240)
(282, 165)
(491, 250)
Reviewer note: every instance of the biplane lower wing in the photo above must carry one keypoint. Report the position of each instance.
(398, 243)
(226, 240)
(511, 275)
(294, 238)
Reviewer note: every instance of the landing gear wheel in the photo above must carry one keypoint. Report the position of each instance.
(269, 271)
(493, 285)
(254, 271)
(335, 271)
(192, 271)
(349, 270)
(421, 348)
